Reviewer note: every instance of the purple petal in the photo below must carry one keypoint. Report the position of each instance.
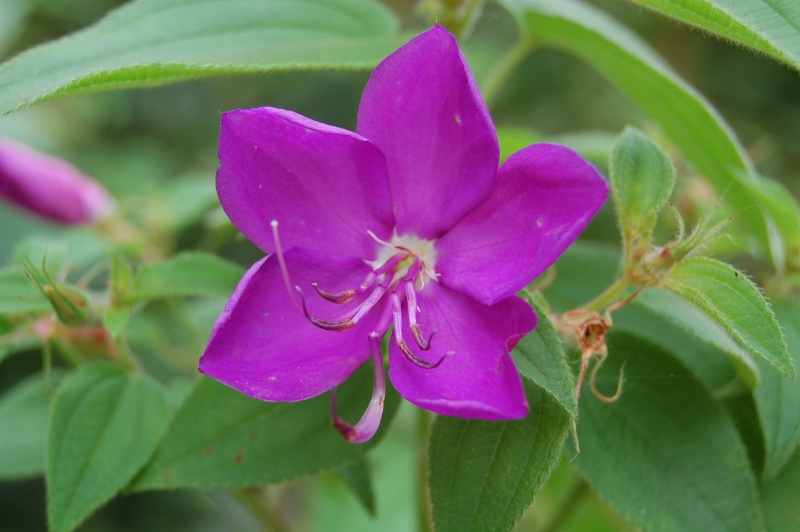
(326, 186)
(478, 378)
(264, 347)
(545, 196)
(50, 187)
(422, 108)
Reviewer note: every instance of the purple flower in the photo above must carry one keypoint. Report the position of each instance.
(49, 187)
(407, 223)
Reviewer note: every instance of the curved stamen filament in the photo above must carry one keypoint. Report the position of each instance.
(416, 332)
(328, 325)
(345, 296)
(367, 426)
(401, 344)
(411, 303)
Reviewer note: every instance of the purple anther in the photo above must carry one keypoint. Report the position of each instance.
(345, 296)
(328, 325)
(416, 331)
(414, 359)
(367, 426)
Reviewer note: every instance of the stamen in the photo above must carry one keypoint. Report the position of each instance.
(367, 282)
(284, 272)
(414, 359)
(367, 426)
(345, 296)
(378, 240)
(411, 303)
(390, 264)
(416, 332)
(398, 336)
(370, 302)
(328, 325)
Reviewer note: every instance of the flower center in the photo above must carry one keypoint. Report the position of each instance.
(401, 268)
(415, 248)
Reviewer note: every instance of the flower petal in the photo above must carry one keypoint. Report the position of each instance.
(478, 379)
(50, 187)
(326, 186)
(545, 196)
(422, 108)
(264, 347)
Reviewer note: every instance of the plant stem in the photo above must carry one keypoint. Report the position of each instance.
(503, 69)
(425, 519)
(609, 296)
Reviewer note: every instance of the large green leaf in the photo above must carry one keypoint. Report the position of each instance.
(704, 359)
(685, 116)
(358, 478)
(777, 398)
(664, 454)
(221, 438)
(735, 303)
(483, 474)
(540, 357)
(190, 273)
(693, 320)
(152, 42)
(24, 414)
(769, 26)
(105, 424)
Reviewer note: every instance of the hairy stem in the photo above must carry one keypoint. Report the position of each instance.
(614, 293)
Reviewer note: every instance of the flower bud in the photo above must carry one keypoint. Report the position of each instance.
(49, 187)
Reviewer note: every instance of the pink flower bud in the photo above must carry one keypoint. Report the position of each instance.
(50, 187)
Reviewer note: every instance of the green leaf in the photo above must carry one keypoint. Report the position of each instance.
(664, 454)
(777, 398)
(781, 498)
(222, 438)
(105, 424)
(540, 358)
(689, 121)
(484, 474)
(734, 302)
(186, 274)
(24, 414)
(641, 178)
(18, 295)
(153, 42)
(692, 319)
(768, 26)
(357, 477)
(700, 355)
